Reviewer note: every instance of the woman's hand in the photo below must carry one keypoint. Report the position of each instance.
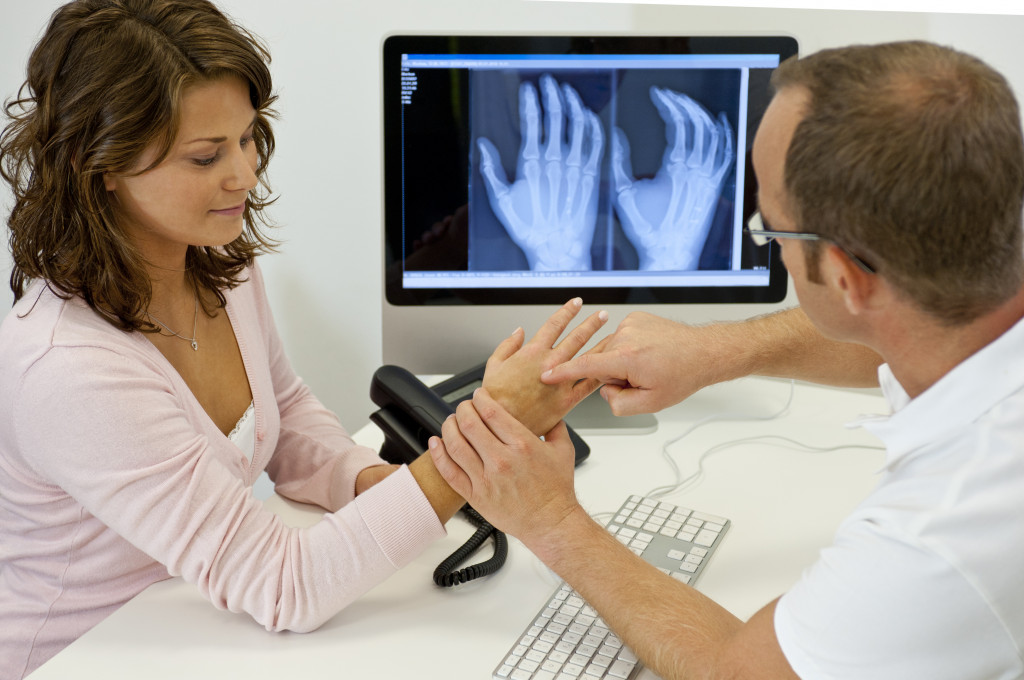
(512, 376)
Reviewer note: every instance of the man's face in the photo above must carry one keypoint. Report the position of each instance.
(771, 144)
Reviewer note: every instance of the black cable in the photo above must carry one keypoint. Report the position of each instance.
(445, 574)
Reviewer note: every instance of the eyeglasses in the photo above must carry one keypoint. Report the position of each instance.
(761, 236)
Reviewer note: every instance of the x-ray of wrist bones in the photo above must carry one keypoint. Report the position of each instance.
(551, 215)
(551, 208)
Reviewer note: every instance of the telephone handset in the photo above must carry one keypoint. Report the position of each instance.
(410, 412)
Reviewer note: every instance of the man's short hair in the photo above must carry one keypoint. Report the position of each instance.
(911, 156)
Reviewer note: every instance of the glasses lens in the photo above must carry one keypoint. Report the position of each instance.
(755, 227)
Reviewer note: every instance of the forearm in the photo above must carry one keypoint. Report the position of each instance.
(442, 498)
(787, 345)
(438, 493)
(674, 629)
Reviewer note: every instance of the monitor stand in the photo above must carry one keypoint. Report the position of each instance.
(594, 416)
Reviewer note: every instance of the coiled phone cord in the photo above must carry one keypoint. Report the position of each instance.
(445, 574)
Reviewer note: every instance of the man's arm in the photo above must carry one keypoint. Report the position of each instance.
(524, 486)
(650, 363)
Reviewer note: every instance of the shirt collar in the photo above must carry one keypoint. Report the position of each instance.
(958, 398)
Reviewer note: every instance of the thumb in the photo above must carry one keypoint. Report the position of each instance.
(508, 346)
(627, 401)
(559, 433)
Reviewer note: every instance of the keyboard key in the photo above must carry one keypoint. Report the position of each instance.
(706, 538)
(711, 518)
(621, 669)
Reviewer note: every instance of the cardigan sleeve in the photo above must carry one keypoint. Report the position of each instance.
(314, 459)
(107, 428)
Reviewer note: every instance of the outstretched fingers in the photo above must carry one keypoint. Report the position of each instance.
(578, 337)
(556, 324)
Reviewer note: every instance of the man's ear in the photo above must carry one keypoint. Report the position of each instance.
(857, 288)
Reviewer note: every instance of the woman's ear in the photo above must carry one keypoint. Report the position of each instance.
(110, 181)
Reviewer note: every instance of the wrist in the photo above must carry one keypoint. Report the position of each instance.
(521, 406)
(553, 540)
(370, 476)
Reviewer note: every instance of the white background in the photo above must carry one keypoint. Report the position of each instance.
(326, 284)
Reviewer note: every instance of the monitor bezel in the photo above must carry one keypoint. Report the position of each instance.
(396, 45)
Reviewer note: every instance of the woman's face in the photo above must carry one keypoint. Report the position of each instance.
(196, 195)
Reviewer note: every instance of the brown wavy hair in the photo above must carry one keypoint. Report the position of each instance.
(105, 84)
(911, 155)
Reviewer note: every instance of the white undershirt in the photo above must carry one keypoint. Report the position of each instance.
(244, 434)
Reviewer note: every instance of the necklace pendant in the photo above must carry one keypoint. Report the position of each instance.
(195, 345)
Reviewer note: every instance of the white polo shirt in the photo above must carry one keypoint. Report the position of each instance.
(926, 578)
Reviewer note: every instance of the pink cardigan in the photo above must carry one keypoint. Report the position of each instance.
(112, 477)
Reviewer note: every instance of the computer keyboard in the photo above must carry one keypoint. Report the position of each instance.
(567, 640)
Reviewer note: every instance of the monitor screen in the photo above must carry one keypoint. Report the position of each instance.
(525, 170)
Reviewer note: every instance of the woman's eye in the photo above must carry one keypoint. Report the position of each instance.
(206, 161)
(246, 141)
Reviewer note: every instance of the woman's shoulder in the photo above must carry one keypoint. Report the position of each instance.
(44, 319)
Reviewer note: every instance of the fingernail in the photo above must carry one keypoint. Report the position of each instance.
(546, 374)
(602, 315)
(432, 443)
(577, 302)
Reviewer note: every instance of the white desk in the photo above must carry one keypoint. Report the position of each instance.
(785, 505)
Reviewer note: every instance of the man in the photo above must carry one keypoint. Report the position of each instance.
(906, 163)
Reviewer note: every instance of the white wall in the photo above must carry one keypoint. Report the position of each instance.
(325, 285)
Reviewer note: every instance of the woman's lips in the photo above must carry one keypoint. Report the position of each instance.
(234, 211)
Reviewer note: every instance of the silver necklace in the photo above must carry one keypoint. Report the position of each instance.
(195, 320)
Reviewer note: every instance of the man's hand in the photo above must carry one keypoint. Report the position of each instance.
(512, 375)
(551, 208)
(518, 481)
(667, 218)
(648, 364)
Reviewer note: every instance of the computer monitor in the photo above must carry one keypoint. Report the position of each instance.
(521, 171)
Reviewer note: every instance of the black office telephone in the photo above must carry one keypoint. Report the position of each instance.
(410, 412)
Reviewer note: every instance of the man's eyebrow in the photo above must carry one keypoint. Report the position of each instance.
(218, 140)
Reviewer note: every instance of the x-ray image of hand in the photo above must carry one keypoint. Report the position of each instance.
(550, 209)
(667, 217)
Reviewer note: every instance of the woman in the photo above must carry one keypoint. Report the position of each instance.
(143, 386)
